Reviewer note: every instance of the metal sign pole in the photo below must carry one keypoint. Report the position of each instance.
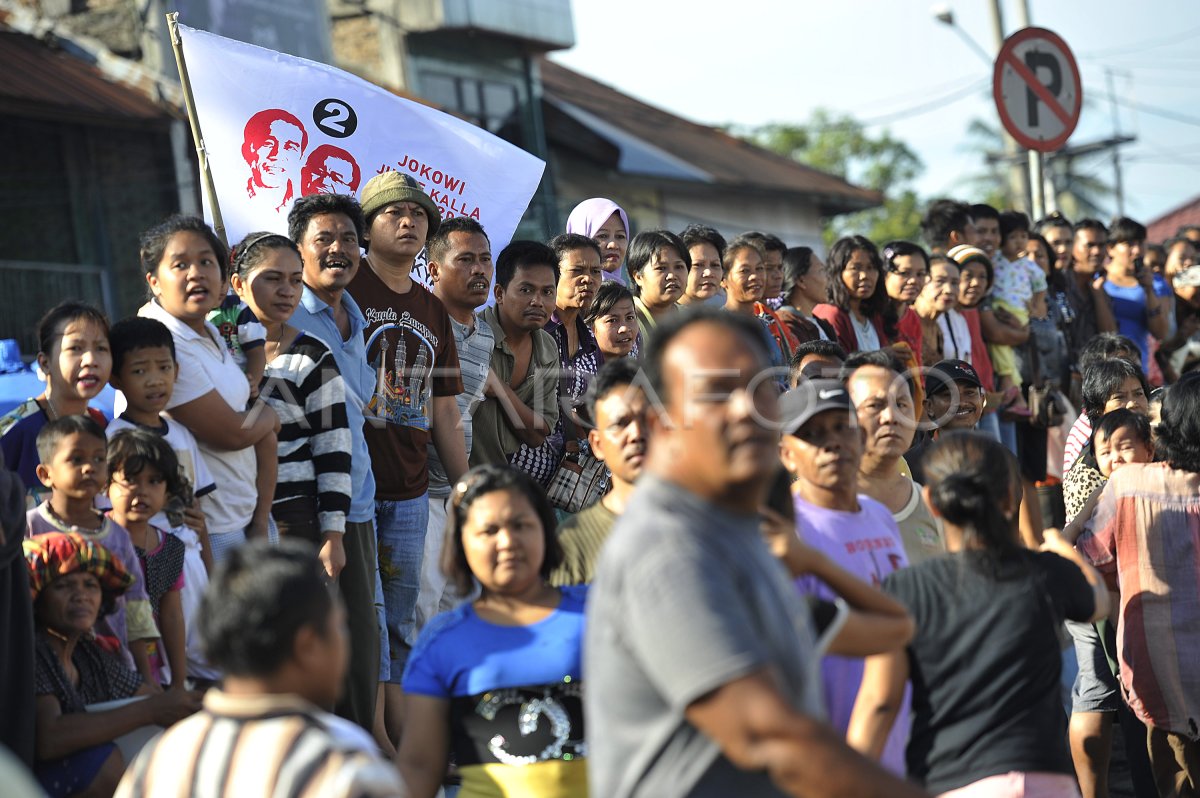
(1037, 186)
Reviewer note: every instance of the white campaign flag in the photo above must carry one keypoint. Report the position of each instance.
(277, 127)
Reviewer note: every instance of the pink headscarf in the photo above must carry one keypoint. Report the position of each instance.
(590, 215)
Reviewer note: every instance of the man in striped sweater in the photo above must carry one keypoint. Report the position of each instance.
(270, 623)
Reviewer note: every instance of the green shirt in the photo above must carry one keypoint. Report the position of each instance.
(581, 538)
(495, 439)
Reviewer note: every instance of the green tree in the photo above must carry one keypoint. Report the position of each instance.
(839, 144)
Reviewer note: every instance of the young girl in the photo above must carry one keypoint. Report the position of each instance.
(74, 355)
(143, 472)
(304, 387)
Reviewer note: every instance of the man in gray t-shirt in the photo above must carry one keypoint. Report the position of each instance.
(460, 268)
(699, 661)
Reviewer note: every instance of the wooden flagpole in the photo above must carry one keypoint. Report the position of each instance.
(189, 102)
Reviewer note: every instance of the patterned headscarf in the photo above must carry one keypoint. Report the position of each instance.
(56, 554)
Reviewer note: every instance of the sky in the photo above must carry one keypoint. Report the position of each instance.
(892, 64)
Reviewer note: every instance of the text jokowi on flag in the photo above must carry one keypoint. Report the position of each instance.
(277, 127)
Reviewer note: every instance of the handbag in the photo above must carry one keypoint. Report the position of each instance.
(1046, 407)
(580, 480)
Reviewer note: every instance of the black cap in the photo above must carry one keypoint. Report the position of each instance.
(808, 399)
(943, 374)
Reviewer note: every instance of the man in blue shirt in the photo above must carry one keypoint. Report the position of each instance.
(328, 229)
(1137, 294)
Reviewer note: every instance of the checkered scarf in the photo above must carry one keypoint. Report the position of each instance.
(57, 554)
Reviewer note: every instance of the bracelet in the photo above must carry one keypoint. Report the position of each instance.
(1152, 313)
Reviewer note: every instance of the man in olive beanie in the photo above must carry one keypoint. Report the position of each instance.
(411, 352)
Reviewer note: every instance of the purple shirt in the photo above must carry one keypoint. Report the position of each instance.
(867, 544)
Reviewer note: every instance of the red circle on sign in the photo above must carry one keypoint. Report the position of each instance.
(1003, 60)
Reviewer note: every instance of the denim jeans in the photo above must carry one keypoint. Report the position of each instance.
(989, 425)
(401, 527)
(438, 594)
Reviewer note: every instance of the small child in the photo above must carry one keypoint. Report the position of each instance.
(73, 353)
(74, 468)
(1120, 438)
(143, 472)
(244, 336)
(144, 370)
(1020, 290)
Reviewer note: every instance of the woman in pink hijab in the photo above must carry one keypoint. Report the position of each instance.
(604, 221)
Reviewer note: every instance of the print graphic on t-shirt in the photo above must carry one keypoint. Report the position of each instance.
(401, 390)
(520, 725)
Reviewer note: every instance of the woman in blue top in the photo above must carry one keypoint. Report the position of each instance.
(495, 684)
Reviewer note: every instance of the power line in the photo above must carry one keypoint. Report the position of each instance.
(923, 108)
(1165, 113)
(1161, 41)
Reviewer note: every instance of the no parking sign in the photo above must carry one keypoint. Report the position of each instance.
(1037, 89)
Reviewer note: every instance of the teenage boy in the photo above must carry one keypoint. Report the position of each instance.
(521, 393)
(270, 623)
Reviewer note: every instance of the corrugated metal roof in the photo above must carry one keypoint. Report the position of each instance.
(42, 81)
(723, 158)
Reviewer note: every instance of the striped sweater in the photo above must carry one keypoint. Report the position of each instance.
(304, 387)
(263, 745)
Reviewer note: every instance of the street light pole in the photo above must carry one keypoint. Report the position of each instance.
(1018, 179)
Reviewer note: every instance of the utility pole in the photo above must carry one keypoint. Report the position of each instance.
(1118, 183)
(1018, 178)
(1037, 183)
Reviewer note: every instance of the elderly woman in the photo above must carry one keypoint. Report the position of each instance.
(73, 582)
(496, 682)
(986, 707)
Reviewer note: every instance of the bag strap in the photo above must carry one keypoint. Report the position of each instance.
(1039, 381)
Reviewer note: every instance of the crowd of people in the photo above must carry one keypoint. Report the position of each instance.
(615, 514)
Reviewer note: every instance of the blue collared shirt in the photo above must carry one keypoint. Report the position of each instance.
(316, 318)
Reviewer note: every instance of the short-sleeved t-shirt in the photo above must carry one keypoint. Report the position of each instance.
(918, 529)
(206, 365)
(1129, 308)
(494, 677)
(985, 664)
(866, 543)
(187, 451)
(686, 598)
(410, 347)
(239, 327)
(19, 429)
